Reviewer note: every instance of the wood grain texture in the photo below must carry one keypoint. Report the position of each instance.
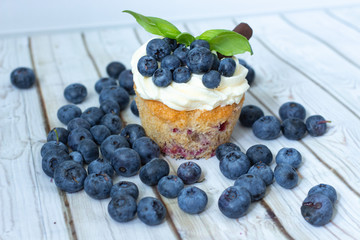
(30, 209)
(275, 84)
(61, 60)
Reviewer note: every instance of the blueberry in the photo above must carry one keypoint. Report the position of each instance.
(112, 122)
(293, 128)
(326, 190)
(181, 75)
(216, 62)
(146, 148)
(122, 208)
(266, 128)
(234, 164)
(189, 172)
(62, 135)
(170, 186)
(89, 150)
(263, 171)
(52, 159)
(225, 148)
(114, 69)
(151, 211)
(77, 123)
(259, 153)
(126, 162)
(147, 65)
(124, 188)
(211, 79)
(69, 176)
(292, 110)
(242, 62)
(76, 136)
(158, 49)
(200, 43)
(162, 77)
(132, 132)
(181, 52)
(110, 144)
(249, 114)
(254, 184)
(199, 60)
(234, 202)
(101, 166)
(289, 156)
(117, 94)
(99, 133)
(227, 67)
(126, 81)
(93, 115)
(153, 171)
(317, 209)
(250, 76)
(316, 125)
(192, 200)
(172, 43)
(286, 176)
(75, 93)
(68, 112)
(98, 186)
(134, 109)
(103, 83)
(170, 62)
(77, 157)
(110, 106)
(52, 146)
(22, 77)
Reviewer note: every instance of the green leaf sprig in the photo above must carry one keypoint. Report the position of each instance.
(226, 42)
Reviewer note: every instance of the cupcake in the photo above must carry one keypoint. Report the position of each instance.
(190, 102)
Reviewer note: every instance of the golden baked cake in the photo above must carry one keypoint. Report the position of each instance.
(188, 117)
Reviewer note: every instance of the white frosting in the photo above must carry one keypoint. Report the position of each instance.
(193, 94)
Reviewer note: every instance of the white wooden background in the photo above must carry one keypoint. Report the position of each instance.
(308, 56)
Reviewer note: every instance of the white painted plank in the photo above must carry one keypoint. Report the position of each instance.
(211, 223)
(328, 30)
(275, 84)
(316, 60)
(63, 59)
(349, 16)
(30, 209)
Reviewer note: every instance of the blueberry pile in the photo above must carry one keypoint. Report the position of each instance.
(252, 174)
(293, 127)
(96, 146)
(167, 61)
(317, 208)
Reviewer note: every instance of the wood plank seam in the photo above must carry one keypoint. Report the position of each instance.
(177, 234)
(343, 21)
(66, 209)
(268, 209)
(283, 17)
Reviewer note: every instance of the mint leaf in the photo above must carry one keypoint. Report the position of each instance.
(166, 28)
(210, 34)
(145, 22)
(229, 43)
(185, 38)
(155, 25)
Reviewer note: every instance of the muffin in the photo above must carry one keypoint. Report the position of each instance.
(189, 120)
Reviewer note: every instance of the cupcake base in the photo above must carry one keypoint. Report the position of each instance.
(188, 134)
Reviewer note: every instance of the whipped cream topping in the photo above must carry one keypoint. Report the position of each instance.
(193, 94)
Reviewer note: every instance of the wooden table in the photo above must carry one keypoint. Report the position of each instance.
(308, 56)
